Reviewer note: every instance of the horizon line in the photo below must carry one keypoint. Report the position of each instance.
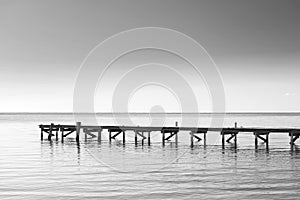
(239, 112)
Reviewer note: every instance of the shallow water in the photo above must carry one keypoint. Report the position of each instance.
(34, 169)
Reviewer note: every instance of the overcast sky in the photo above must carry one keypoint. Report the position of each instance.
(255, 44)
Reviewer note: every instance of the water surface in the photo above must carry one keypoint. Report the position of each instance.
(34, 169)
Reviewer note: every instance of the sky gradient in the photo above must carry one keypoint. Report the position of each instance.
(255, 45)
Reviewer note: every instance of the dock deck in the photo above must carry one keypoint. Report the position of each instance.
(143, 133)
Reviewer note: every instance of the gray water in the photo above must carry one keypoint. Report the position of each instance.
(34, 169)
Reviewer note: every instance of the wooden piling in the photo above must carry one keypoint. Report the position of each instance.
(292, 139)
(149, 140)
(192, 139)
(267, 141)
(135, 138)
(142, 138)
(99, 135)
(78, 125)
(124, 137)
(235, 140)
(56, 134)
(62, 134)
(85, 134)
(50, 131)
(109, 135)
(259, 135)
(163, 138)
(204, 138)
(256, 140)
(223, 139)
(176, 136)
(42, 133)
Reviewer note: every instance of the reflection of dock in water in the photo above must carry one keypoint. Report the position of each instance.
(143, 133)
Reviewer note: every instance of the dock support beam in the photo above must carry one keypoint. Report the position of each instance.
(149, 139)
(235, 140)
(176, 139)
(293, 137)
(172, 131)
(163, 138)
(192, 139)
(68, 130)
(91, 132)
(233, 135)
(62, 134)
(42, 133)
(85, 134)
(78, 125)
(258, 135)
(135, 138)
(176, 136)
(140, 133)
(114, 132)
(109, 135)
(195, 134)
(223, 139)
(123, 137)
(256, 140)
(50, 131)
(99, 135)
(56, 134)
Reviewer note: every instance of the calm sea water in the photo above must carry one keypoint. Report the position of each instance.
(34, 169)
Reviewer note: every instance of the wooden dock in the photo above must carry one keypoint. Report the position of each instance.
(143, 133)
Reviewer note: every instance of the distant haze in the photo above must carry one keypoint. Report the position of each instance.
(255, 44)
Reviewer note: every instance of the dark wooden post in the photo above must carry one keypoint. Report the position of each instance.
(99, 135)
(62, 134)
(135, 138)
(109, 135)
(256, 140)
(163, 138)
(124, 137)
(235, 140)
(78, 125)
(292, 139)
(223, 139)
(85, 134)
(149, 140)
(42, 133)
(192, 139)
(176, 138)
(204, 137)
(267, 140)
(50, 131)
(143, 138)
(56, 134)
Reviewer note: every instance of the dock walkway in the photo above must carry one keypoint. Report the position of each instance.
(143, 133)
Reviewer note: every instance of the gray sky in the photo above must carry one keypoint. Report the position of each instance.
(255, 44)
